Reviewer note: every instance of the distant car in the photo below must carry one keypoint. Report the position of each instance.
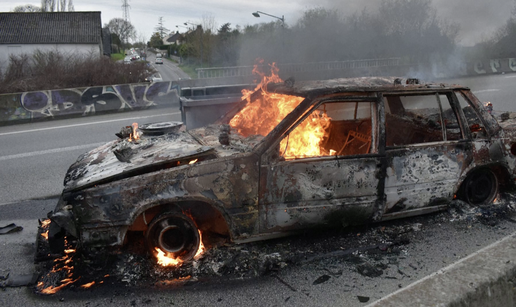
(342, 152)
(153, 79)
(159, 61)
(127, 60)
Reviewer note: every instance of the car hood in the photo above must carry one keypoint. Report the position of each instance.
(123, 158)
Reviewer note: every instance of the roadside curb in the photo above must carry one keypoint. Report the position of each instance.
(484, 278)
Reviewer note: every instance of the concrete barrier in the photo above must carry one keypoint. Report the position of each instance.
(51, 104)
(485, 278)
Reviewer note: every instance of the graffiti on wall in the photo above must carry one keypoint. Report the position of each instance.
(494, 66)
(86, 101)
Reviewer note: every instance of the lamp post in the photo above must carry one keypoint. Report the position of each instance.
(199, 27)
(282, 18)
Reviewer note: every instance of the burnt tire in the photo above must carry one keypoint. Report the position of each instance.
(480, 187)
(175, 234)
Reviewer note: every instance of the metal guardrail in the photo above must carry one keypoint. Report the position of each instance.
(240, 71)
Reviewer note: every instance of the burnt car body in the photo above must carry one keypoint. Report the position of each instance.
(391, 148)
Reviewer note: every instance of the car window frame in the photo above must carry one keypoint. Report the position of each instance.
(289, 123)
(454, 105)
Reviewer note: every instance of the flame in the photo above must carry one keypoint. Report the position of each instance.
(201, 249)
(135, 135)
(61, 265)
(85, 286)
(305, 139)
(263, 114)
(193, 161)
(45, 225)
(163, 260)
(45, 235)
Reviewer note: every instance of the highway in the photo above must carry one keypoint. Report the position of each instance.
(34, 158)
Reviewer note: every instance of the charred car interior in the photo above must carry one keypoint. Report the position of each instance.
(287, 157)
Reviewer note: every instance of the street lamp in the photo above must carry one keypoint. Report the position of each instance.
(282, 18)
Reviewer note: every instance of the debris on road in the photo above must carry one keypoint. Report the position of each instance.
(10, 229)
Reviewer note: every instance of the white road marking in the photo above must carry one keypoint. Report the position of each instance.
(49, 151)
(86, 124)
(487, 90)
(510, 76)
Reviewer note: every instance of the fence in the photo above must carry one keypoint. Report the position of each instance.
(241, 71)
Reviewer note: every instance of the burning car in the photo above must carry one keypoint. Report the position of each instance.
(288, 157)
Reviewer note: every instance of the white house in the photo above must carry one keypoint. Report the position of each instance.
(65, 32)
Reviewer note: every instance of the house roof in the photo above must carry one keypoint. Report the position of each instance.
(50, 28)
(172, 38)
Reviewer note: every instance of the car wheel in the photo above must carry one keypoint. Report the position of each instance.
(175, 234)
(480, 187)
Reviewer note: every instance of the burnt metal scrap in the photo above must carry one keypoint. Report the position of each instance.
(387, 149)
(374, 252)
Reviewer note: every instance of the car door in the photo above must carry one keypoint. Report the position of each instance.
(323, 170)
(425, 150)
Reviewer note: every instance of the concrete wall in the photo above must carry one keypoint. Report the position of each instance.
(492, 66)
(39, 105)
(17, 49)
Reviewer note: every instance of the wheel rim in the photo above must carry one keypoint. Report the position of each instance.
(481, 188)
(174, 234)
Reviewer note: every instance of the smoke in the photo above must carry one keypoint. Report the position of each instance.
(430, 35)
(477, 19)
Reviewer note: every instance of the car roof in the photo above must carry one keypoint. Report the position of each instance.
(361, 84)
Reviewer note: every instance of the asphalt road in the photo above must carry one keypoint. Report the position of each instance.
(169, 70)
(34, 159)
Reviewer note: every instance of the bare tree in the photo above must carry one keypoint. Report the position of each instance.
(124, 29)
(27, 8)
(57, 6)
(160, 28)
(208, 23)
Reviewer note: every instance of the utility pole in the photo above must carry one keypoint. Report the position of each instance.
(125, 8)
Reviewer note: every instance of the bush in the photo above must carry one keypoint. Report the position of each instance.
(55, 70)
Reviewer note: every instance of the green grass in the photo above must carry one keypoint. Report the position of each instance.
(117, 56)
(189, 69)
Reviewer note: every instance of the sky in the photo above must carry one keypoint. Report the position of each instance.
(478, 19)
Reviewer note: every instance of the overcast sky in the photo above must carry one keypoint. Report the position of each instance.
(477, 18)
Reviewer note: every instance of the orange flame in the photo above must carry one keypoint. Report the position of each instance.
(305, 140)
(201, 249)
(60, 264)
(193, 161)
(135, 135)
(163, 260)
(88, 285)
(263, 114)
(45, 225)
